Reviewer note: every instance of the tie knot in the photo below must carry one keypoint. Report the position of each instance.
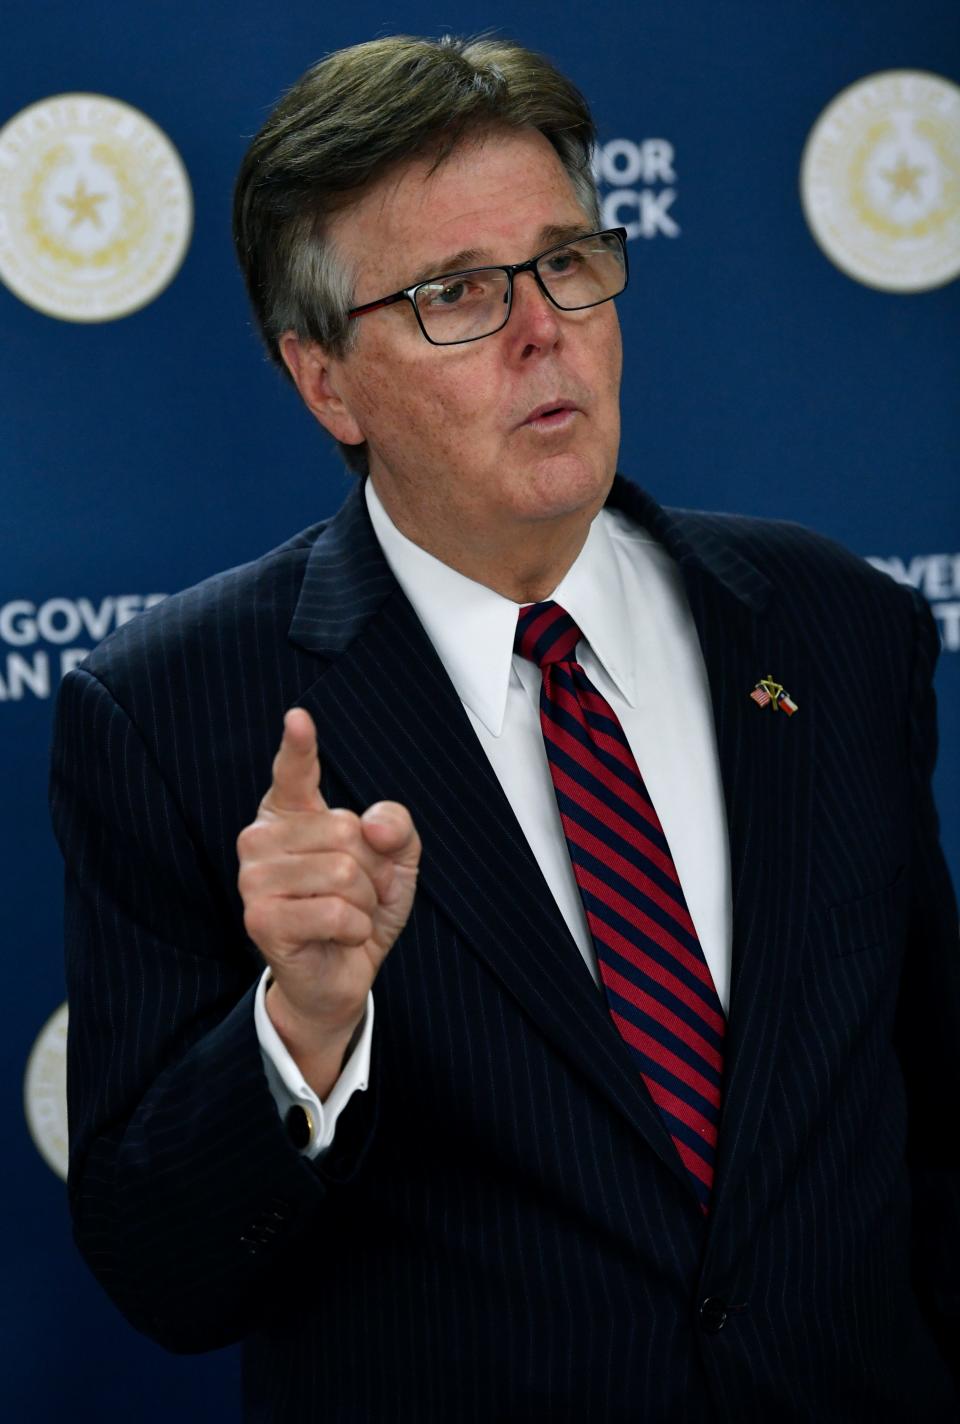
(545, 634)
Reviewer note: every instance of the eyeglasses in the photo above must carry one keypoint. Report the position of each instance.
(465, 306)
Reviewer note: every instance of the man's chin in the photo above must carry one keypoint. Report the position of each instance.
(565, 484)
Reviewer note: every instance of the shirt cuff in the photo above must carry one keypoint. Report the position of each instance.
(287, 1085)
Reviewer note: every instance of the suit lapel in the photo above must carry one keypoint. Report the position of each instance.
(392, 727)
(390, 723)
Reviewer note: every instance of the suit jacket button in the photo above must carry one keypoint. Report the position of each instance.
(713, 1315)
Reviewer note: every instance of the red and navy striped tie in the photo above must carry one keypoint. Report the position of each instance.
(659, 989)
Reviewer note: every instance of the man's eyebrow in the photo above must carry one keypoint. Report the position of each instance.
(456, 262)
(468, 257)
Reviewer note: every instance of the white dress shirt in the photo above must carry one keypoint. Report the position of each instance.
(640, 650)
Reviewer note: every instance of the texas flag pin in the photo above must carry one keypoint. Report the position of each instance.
(768, 693)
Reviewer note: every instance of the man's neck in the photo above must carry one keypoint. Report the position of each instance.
(524, 565)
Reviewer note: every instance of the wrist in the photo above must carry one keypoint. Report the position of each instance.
(318, 1048)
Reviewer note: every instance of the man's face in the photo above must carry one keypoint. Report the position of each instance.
(452, 447)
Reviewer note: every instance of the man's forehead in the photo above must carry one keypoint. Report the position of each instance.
(497, 199)
(547, 236)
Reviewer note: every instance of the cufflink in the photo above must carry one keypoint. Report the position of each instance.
(299, 1125)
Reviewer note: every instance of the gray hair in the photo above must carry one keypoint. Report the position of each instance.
(345, 122)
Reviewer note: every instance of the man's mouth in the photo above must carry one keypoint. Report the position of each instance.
(552, 415)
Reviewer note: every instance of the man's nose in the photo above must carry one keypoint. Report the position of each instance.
(534, 319)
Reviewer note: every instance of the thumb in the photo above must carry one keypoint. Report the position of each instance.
(388, 828)
(296, 767)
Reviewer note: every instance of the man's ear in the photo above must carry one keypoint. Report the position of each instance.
(314, 374)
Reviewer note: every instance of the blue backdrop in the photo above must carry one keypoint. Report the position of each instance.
(142, 454)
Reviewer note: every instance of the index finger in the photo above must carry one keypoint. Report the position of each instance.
(296, 767)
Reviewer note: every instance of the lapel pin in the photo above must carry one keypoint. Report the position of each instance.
(768, 693)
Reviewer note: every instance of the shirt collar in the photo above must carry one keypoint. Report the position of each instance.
(472, 627)
(593, 593)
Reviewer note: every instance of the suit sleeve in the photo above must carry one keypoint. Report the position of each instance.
(187, 1199)
(927, 1030)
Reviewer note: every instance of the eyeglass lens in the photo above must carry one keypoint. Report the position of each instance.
(469, 305)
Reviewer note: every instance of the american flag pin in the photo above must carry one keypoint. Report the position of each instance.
(768, 693)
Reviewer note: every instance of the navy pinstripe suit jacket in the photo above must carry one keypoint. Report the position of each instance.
(502, 1230)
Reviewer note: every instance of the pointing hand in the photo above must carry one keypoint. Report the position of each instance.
(326, 893)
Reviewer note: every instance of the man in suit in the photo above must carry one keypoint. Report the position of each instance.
(577, 1037)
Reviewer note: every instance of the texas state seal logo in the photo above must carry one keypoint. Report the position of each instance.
(880, 181)
(96, 210)
(45, 1092)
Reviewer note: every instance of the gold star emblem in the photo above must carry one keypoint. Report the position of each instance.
(83, 205)
(904, 178)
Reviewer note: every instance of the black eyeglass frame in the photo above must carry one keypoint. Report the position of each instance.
(512, 270)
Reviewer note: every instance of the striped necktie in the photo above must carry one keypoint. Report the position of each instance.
(659, 990)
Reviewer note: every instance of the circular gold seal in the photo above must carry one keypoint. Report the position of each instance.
(95, 207)
(45, 1092)
(880, 180)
